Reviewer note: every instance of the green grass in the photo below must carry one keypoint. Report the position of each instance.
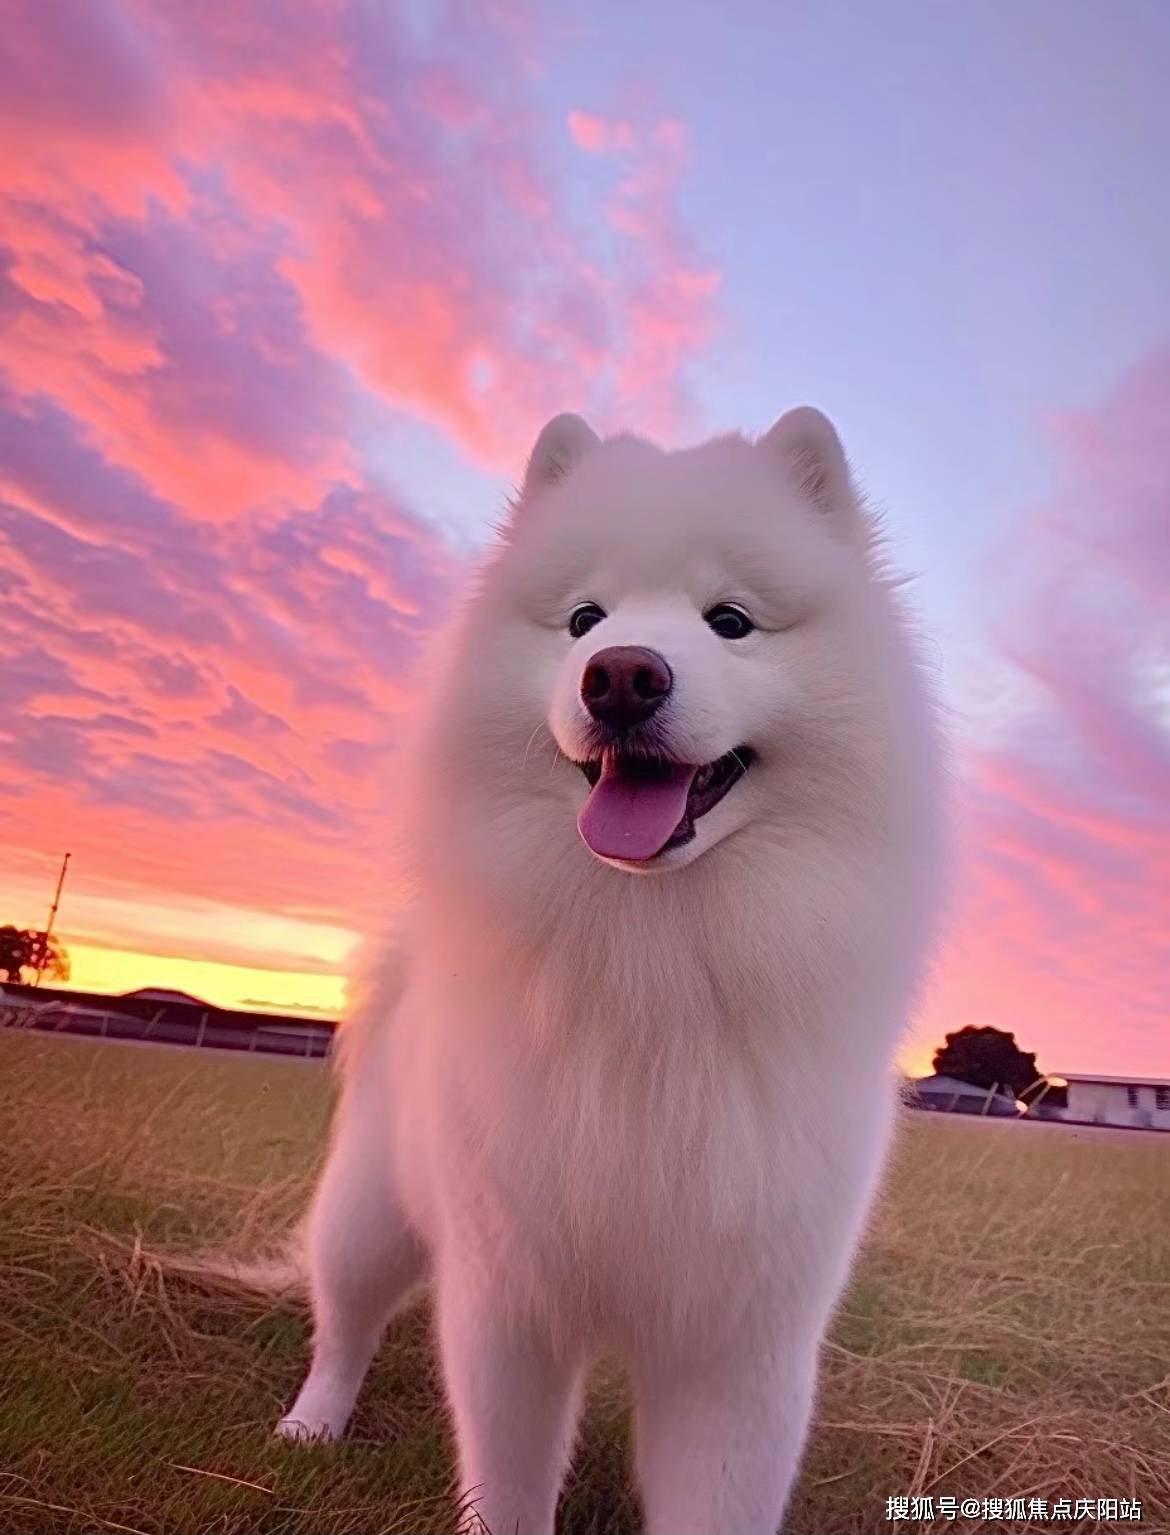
(1007, 1332)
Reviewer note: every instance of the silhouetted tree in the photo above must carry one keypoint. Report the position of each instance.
(989, 1058)
(24, 951)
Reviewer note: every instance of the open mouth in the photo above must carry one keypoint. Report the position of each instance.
(641, 806)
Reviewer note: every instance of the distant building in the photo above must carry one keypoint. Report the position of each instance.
(951, 1096)
(1141, 1103)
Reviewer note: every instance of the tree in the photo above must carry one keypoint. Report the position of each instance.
(990, 1058)
(25, 952)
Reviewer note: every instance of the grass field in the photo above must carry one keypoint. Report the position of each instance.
(1007, 1333)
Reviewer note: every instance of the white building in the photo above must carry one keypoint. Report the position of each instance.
(1138, 1102)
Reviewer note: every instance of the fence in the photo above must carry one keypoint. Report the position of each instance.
(192, 1027)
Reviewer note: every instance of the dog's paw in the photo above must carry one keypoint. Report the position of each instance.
(296, 1429)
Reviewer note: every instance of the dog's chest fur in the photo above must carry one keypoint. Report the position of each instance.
(626, 1147)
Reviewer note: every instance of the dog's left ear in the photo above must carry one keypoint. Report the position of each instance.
(806, 444)
(562, 442)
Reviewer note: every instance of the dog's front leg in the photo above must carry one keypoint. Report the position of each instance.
(515, 1401)
(719, 1443)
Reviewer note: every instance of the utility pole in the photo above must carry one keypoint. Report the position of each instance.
(44, 953)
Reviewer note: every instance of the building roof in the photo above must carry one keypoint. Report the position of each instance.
(952, 1085)
(1080, 1076)
(163, 994)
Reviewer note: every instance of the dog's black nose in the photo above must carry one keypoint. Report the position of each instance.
(622, 686)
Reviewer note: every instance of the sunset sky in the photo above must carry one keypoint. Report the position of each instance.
(287, 290)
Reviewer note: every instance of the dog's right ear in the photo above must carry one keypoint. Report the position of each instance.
(563, 441)
(805, 443)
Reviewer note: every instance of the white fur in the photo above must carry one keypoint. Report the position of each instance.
(642, 1112)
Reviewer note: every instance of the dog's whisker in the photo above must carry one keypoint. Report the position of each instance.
(540, 725)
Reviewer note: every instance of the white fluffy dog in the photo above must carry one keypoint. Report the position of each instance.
(670, 816)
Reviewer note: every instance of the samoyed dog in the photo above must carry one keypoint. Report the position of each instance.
(669, 815)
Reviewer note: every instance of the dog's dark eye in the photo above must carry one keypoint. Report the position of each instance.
(583, 618)
(728, 621)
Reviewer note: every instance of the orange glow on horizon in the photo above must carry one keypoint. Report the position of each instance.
(915, 1061)
(239, 986)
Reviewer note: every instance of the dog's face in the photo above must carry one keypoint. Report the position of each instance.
(693, 630)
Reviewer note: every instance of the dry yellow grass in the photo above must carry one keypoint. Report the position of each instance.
(1007, 1333)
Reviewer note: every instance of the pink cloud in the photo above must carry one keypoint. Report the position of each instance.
(1063, 900)
(313, 197)
(181, 697)
(399, 200)
(597, 135)
(662, 283)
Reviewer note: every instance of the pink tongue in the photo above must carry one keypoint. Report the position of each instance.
(628, 817)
